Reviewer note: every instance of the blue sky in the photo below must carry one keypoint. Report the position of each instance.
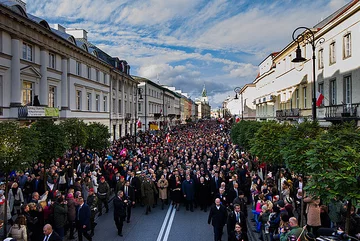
(189, 43)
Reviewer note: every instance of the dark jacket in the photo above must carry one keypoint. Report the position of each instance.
(60, 215)
(231, 221)
(54, 237)
(71, 209)
(84, 215)
(131, 193)
(217, 217)
(188, 188)
(240, 237)
(119, 208)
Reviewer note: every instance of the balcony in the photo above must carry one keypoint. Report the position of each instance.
(128, 117)
(33, 112)
(340, 113)
(157, 115)
(178, 116)
(288, 114)
(171, 116)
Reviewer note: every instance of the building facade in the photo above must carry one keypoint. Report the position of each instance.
(56, 73)
(284, 90)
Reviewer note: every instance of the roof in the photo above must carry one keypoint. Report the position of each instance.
(335, 15)
(14, 7)
(38, 20)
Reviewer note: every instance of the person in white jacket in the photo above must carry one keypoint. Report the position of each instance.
(16, 198)
(94, 181)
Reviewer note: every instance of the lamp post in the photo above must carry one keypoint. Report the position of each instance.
(307, 37)
(237, 90)
(139, 93)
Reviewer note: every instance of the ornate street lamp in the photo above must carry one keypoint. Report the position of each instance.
(237, 90)
(307, 37)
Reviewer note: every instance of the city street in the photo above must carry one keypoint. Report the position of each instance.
(159, 225)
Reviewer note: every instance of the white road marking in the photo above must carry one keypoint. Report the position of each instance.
(165, 223)
(169, 225)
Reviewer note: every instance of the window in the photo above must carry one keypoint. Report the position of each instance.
(105, 103)
(321, 59)
(347, 89)
(78, 100)
(347, 45)
(321, 90)
(78, 68)
(97, 102)
(333, 92)
(88, 72)
(88, 97)
(332, 53)
(52, 59)
(52, 92)
(139, 107)
(27, 52)
(120, 106)
(104, 78)
(297, 99)
(114, 105)
(27, 93)
(97, 75)
(305, 97)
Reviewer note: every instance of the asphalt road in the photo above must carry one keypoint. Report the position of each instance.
(159, 225)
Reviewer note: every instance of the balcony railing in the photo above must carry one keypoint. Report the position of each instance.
(341, 111)
(289, 113)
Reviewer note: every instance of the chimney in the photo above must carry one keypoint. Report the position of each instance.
(77, 33)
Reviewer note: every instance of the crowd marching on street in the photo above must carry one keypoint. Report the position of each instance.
(192, 166)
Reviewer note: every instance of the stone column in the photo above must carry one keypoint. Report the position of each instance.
(64, 85)
(44, 87)
(15, 73)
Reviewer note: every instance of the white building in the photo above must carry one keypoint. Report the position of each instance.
(284, 91)
(159, 106)
(55, 72)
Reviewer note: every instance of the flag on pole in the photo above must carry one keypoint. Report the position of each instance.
(319, 98)
(138, 123)
(168, 140)
(237, 119)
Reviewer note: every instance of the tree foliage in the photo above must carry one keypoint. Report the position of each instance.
(297, 141)
(98, 136)
(19, 147)
(52, 140)
(243, 132)
(267, 142)
(75, 132)
(334, 161)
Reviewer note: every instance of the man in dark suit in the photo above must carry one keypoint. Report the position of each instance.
(49, 234)
(120, 211)
(83, 215)
(129, 195)
(217, 217)
(234, 217)
(215, 184)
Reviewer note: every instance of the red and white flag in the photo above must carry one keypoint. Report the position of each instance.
(138, 123)
(168, 140)
(319, 98)
(237, 119)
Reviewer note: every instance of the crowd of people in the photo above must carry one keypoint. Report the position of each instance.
(193, 166)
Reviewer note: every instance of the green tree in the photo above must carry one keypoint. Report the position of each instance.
(18, 149)
(334, 161)
(267, 142)
(98, 136)
(75, 132)
(52, 140)
(297, 141)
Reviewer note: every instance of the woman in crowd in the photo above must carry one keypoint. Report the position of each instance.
(163, 185)
(15, 198)
(18, 231)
